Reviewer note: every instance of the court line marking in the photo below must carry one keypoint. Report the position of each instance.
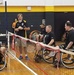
(38, 67)
(22, 63)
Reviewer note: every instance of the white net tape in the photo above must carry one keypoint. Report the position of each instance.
(44, 45)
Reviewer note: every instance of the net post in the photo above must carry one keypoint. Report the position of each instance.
(8, 40)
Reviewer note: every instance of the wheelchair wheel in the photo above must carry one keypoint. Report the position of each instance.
(33, 34)
(67, 60)
(46, 56)
(38, 57)
(3, 63)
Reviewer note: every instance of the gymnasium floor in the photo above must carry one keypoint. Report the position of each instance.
(42, 68)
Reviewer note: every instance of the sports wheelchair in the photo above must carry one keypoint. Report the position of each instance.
(2, 58)
(45, 54)
(66, 60)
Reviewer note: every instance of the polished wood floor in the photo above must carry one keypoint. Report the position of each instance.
(42, 68)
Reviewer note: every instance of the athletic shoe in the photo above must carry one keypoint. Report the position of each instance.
(26, 57)
(20, 57)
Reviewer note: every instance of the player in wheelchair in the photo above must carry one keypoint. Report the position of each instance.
(42, 33)
(44, 53)
(67, 59)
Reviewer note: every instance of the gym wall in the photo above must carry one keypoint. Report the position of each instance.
(54, 15)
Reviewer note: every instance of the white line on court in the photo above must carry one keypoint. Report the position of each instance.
(22, 63)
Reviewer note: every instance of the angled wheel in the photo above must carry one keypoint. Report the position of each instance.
(47, 56)
(33, 34)
(2, 62)
(67, 60)
(38, 57)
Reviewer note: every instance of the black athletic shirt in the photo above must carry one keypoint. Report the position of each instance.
(21, 32)
(43, 31)
(48, 38)
(69, 37)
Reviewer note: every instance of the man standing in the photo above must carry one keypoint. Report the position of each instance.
(20, 29)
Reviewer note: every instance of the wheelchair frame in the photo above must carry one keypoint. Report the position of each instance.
(3, 62)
